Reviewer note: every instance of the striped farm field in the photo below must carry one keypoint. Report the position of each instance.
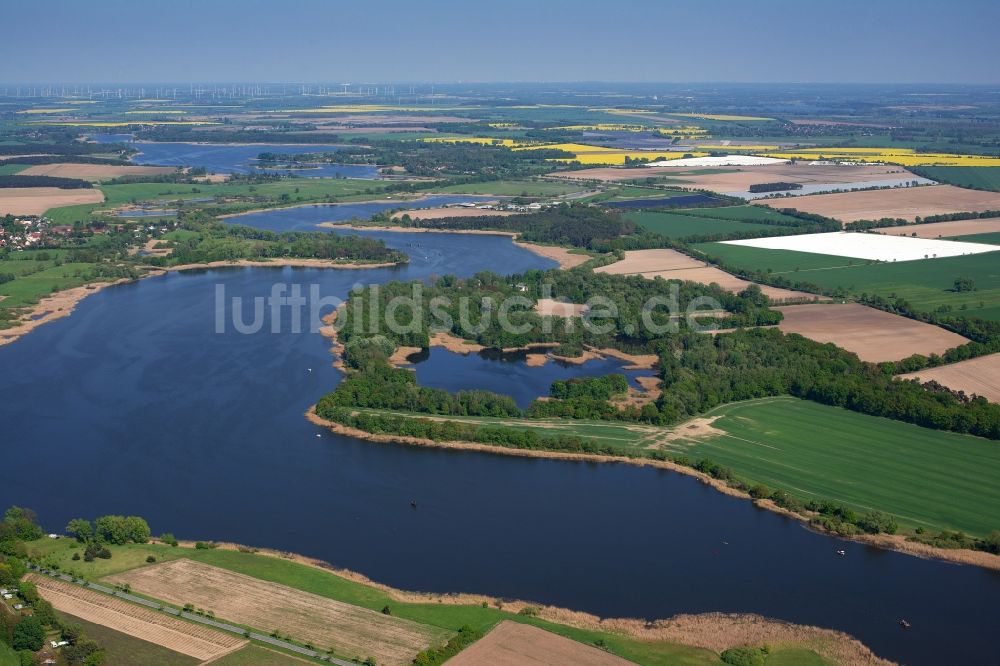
(925, 478)
(676, 225)
(305, 617)
(138, 621)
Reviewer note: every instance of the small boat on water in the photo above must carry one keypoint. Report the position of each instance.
(904, 624)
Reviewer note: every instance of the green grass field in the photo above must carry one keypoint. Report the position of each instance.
(988, 238)
(676, 225)
(742, 213)
(514, 188)
(925, 478)
(255, 655)
(328, 584)
(298, 190)
(11, 169)
(982, 178)
(926, 284)
(124, 650)
(7, 656)
(863, 461)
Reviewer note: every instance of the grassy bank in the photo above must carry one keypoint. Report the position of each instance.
(433, 610)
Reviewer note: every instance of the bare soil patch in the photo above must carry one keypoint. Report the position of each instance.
(144, 623)
(515, 644)
(353, 630)
(673, 265)
(548, 307)
(565, 257)
(872, 334)
(94, 171)
(906, 203)
(977, 375)
(37, 200)
(946, 229)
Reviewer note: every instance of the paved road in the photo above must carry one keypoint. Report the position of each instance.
(231, 628)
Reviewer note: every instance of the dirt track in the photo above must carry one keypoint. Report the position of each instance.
(144, 623)
(872, 334)
(515, 644)
(352, 630)
(977, 375)
(906, 203)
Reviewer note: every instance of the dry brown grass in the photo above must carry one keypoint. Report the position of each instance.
(306, 617)
(93, 171)
(673, 265)
(872, 334)
(977, 375)
(946, 229)
(37, 200)
(515, 644)
(906, 203)
(145, 623)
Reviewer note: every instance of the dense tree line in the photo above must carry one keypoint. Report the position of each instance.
(60, 159)
(470, 308)
(45, 181)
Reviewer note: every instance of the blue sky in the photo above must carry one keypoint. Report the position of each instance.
(898, 41)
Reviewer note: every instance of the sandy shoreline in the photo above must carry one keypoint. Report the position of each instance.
(404, 200)
(712, 631)
(890, 542)
(62, 303)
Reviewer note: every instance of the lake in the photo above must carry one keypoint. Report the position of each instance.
(135, 405)
(305, 218)
(235, 158)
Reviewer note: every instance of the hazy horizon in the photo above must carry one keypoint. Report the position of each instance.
(559, 41)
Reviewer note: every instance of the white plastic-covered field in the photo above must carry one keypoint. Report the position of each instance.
(874, 247)
(719, 160)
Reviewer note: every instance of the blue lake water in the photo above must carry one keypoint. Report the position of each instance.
(234, 158)
(495, 371)
(305, 218)
(134, 404)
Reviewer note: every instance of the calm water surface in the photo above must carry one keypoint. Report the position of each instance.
(134, 405)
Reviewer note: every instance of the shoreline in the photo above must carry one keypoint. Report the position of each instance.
(897, 543)
(563, 256)
(421, 197)
(714, 631)
(62, 303)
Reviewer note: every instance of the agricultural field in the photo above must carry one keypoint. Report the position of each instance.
(979, 178)
(512, 188)
(872, 334)
(38, 200)
(743, 214)
(677, 225)
(139, 622)
(862, 461)
(514, 643)
(901, 156)
(927, 285)
(980, 376)
(255, 655)
(96, 172)
(905, 203)
(352, 630)
(867, 247)
(123, 650)
(673, 265)
(952, 229)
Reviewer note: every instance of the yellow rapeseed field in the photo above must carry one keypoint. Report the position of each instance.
(43, 111)
(585, 154)
(901, 156)
(718, 116)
